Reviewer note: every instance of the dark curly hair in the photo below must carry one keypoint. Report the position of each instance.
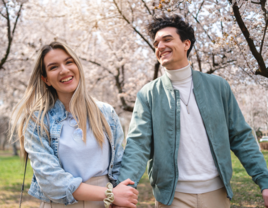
(184, 29)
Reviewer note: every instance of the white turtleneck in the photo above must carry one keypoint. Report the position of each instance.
(197, 171)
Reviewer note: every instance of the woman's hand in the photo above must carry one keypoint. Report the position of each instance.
(125, 196)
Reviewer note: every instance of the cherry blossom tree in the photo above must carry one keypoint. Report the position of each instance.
(111, 39)
(10, 12)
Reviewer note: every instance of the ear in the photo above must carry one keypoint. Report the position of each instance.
(187, 44)
(45, 80)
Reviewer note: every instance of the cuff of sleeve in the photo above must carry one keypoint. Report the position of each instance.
(263, 183)
(74, 184)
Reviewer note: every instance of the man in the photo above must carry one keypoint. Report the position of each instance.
(185, 123)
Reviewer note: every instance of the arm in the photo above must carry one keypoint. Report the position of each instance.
(118, 136)
(124, 195)
(139, 142)
(54, 182)
(244, 145)
(60, 186)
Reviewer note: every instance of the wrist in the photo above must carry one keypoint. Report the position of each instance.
(109, 196)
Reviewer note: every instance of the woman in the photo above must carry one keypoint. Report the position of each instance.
(74, 143)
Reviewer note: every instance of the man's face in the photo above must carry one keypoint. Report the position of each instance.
(170, 51)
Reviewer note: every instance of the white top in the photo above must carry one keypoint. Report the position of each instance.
(197, 171)
(85, 160)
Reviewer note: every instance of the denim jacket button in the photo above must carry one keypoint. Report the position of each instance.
(111, 166)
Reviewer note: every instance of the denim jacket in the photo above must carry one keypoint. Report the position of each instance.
(154, 135)
(50, 182)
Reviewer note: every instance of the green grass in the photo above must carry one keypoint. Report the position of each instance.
(246, 192)
(11, 174)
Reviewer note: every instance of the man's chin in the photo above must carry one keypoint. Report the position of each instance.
(165, 63)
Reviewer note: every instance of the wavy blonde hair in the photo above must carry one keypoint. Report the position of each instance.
(39, 97)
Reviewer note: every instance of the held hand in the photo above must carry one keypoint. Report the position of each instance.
(265, 197)
(125, 196)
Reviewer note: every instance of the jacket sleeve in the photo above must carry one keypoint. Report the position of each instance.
(118, 136)
(54, 182)
(139, 140)
(244, 145)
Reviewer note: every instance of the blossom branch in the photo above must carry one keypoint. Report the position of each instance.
(10, 32)
(262, 68)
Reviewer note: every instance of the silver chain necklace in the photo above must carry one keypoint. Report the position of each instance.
(186, 104)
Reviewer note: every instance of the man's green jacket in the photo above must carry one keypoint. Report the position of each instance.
(154, 135)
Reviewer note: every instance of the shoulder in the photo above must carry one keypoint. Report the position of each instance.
(213, 81)
(211, 78)
(108, 111)
(150, 86)
(152, 89)
(104, 107)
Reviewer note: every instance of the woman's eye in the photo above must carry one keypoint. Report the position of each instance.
(53, 67)
(69, 62)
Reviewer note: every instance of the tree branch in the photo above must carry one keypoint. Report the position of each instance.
(98, 64)
(17, 18)
(262, 68)
(156, 69)
(198, 60)
(263, 2)
(134, 28)
(9, 37)
(3, 15)
(253, 2)
(264, 33)
(118, 84)
(199, 9)
(202, 27)
(147, 8)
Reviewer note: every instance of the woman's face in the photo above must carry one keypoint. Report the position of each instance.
(62, 72)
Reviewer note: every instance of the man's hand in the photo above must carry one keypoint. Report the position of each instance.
(125, 196)
(265, 197)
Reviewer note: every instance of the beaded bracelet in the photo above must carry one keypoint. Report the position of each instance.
(109, 195)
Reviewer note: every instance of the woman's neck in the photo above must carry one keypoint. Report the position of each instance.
(65, 99)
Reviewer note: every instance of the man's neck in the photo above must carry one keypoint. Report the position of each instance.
(179, 74)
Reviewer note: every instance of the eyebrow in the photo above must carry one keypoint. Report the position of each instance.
(56, 63)
(164, 37)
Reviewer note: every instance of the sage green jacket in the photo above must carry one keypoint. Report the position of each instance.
(154, 135)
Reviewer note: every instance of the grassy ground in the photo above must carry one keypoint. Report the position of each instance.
(246, 193)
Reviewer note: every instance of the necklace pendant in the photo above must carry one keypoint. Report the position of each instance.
(187, 109)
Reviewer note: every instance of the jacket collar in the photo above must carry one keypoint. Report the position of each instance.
(58, 112)
(195, 76)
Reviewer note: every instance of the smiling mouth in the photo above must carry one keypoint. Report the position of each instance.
(66, 80)
(165, 53)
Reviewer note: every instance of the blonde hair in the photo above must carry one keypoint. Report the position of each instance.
(38, 97)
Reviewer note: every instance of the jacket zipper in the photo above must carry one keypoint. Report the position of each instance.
(175, 144)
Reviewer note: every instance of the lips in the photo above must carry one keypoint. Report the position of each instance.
(66, 79)
(164, 53)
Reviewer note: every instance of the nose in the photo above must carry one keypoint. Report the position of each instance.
(161, 45)
(64, 69)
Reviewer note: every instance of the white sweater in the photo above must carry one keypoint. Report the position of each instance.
(197, 171)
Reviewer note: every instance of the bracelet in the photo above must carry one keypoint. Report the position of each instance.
(109, 195)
